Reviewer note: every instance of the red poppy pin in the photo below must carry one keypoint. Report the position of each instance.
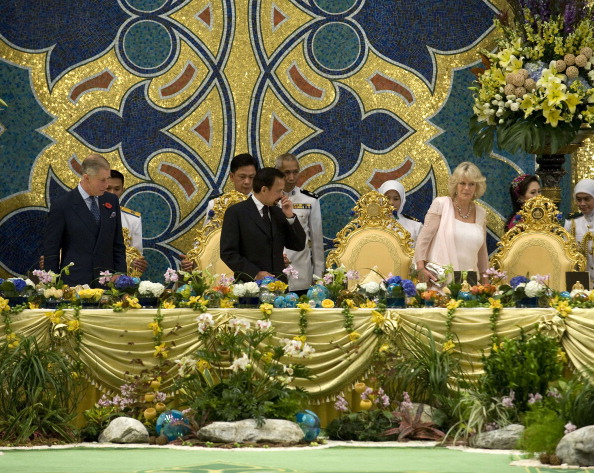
(107, 205)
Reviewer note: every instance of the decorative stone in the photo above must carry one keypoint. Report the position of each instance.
(124, 430)
(272, 431)
(505, 438)
(577, 447)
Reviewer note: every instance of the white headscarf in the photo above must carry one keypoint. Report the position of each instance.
(586, 186)
(394, 186)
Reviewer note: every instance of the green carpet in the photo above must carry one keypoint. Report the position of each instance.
(198, 460)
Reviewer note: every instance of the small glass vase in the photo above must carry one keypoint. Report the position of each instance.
(148, 302)
(52, 303)
(16, 300)
(248, 302)
(89, 304)
(527, 302)
(395, 302)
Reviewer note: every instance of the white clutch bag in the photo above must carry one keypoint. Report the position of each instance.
(438, 271)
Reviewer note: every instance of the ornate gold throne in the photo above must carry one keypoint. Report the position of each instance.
(206, 252)
(373, 240)
(538, 244)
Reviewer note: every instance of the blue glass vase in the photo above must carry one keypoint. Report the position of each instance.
(395, 302)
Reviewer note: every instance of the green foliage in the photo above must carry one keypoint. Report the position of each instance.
(363, 426)
(97, 419)
(239, 375)
(475, 410)
(576, 400)
(521, 135)
(429, 374)
(526, 365)
(544, 429)
(38, 393)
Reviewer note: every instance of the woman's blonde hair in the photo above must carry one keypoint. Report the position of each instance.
(469, 172)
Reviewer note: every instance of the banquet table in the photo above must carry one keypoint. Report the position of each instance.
(112, 344)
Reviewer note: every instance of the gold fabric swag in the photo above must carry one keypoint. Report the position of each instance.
(113, 344)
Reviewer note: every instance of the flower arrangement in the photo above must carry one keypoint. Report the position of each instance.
(336, 279)
(246, 289)
(16, 287)
(150, 289)
(537, 89)
(239, 374)
(398, 287)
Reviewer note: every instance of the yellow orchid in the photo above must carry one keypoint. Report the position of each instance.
(161, 351)
(118, 305)
(133, 302)
(73, 325)
(4, 304)
(154, 326)
(453, 304)
(304, 306)
(267, 357)
(495, 303)
(266, 309)
(202, 365)
(449, 345)
(168, 305)
(327, 303)
(226, 303)
(32, 306)
(562, 356)
(368, 304)
(354, 336)
(350, 303)
(300, 338)
(563, 308)
(495, 348)
(377, 317)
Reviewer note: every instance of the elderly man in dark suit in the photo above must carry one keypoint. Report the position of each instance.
(256, 230)
(84, 227)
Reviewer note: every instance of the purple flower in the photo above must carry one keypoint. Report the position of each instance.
(532, 398)
(291, 272)
(105, 277)
(393, 280)
(328, 278)
(516, 281)
(43, 276)
(409, 287)
(554, 393)
(124, 282)
(508, 401)
(569, 427)
(171, 275)
(160, 396)
(406, 404)
(540, 278)
(352, 274)
(365, 394)
(341, 404)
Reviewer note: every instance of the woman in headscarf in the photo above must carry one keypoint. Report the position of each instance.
(580, 224)
(521, 189)
(394, 191)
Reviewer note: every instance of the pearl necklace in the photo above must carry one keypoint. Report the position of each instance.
(460, 210)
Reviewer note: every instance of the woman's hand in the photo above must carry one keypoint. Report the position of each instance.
(426, 276)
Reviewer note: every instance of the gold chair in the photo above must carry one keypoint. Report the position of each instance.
(206, 252)
(132, 254)
(373, 240)
(538, 244)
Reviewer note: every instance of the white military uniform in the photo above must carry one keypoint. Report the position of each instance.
(133, 222)
(309, 261)
(579, 225)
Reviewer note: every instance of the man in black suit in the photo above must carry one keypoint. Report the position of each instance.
(85, 227)
(256, 230)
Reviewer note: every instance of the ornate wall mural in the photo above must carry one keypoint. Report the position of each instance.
(169, 91)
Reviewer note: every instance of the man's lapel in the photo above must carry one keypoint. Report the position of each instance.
(79, 207)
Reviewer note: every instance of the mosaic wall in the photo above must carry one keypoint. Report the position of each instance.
(169, 91)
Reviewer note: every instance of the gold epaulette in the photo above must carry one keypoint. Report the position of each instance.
(129, 211)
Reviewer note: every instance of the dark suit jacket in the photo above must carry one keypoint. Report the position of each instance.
(248, 246)
(92, 248)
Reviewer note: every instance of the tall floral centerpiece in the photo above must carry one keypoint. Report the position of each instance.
(536, 93)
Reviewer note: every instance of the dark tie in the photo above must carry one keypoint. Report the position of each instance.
(94, 208)
(266, 216)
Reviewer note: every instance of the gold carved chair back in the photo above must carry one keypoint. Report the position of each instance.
(132, 254)
(373, 240)
(539, 244)
(206, 252)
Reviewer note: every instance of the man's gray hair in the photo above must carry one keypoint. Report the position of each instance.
(278, 163)
(93, 163)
